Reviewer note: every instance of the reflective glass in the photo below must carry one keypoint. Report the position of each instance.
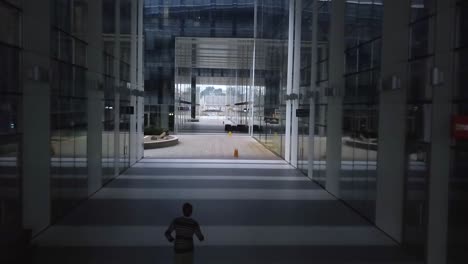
(421, 8)
(420, 88)
(422, 38)
(9, 28)
(10, 165)
(10, 119)
(69, 107)
(458, 188)
(360, 115)
(9, 69)
(270, 78)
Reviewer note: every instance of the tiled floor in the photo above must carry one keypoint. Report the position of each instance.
(251, 211)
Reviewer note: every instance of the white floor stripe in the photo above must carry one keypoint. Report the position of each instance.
(234, 161)
(212, 194)
(138, 236)
(234, 178)
(213, 166)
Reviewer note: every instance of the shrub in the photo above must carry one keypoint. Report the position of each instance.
(155, 131)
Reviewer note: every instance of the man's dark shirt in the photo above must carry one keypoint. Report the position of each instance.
(184, 228)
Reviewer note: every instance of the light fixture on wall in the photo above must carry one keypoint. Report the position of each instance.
(396, 82)
(437, 77)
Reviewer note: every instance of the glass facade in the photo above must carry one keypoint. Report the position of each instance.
(108, 103)
(418, 131)
(164, 22)
(271, 60)
(74, 84)
(10, 119)
(305, 85)
(363, 34)
(320, 98)
(68, 113)
(458, 210)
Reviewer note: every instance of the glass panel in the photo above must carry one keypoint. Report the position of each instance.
(419, 122)
(458, 209)
(421, 8)
(10, 120)
(420, 88)
(415, 212)
(9, 69)
(422, 38)
(69, 117)
(462, 24)
(461, 91)
(9, 28)
(10, 165)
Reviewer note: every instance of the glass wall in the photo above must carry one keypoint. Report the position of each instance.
(69, 127)
(70, 83)
(363, 30)
(108, 117)
(305, 85)
(419, 115)
(322, 64)
(164, 21)
(271, 62)
(458, 208)
(10, 116)
(116, 74)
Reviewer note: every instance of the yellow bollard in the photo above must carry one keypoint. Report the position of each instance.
(230, 134)
(236, 153)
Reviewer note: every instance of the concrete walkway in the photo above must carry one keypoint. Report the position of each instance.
(215, 146)
(251, 212)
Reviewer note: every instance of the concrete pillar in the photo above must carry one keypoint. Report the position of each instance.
(335, 102)
(194, 97)
(254, 61)
(289, 81)
(296, 80)
(117, 85)
(133, 80)
(95, 96)
(313, 88)
(133, 132)
(441, 141)
(36, 115)
(141, 80)
(391, 163)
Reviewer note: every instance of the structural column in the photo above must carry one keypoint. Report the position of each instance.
(133, 80)
(443, 81)
(193, 97)
(296, 80)
(36, 115)
(95, 96)
(289, 86)
(254, 61)
(313, 88)
(117, 87)
(392, 119)
(335, 101)
(141, 80)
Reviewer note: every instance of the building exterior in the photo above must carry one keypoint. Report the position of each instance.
(368, 98)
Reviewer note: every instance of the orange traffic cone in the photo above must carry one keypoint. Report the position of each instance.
(236, 153)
